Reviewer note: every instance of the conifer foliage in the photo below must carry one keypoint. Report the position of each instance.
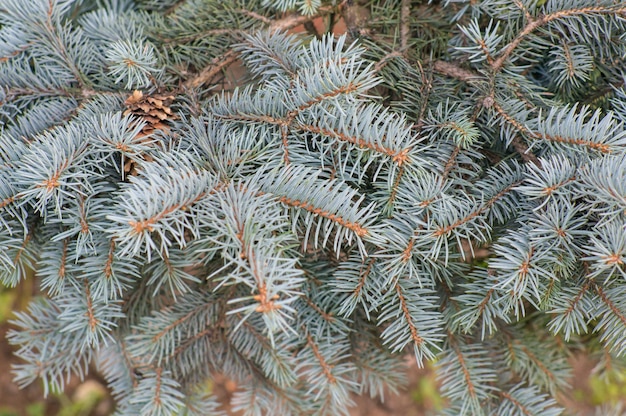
(302, 231)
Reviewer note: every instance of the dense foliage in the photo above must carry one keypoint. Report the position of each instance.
(201, 192)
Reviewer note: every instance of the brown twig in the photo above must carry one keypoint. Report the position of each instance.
(526, 155)
(220, 63)
(255, 16)
(294, 20)
(530, 27)
(207, 74)
(405, 24)
(311, 29)
(534, 24)
(452, 70)
(385, 60)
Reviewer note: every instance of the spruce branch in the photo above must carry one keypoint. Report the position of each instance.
(300, 233)
(446, 229)
(535, 23)
(219, 63)
(527, 401)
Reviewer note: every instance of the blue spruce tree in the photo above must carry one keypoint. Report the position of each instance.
(302, 231)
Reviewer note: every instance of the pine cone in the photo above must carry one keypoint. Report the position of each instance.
(155, 111)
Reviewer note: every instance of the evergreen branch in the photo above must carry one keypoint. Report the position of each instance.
(157, 396)
(62, 263)
(584, 11)
(114, 363)
(189, 342)
(328, 317)
(553, 177)
(353, 279)
(157, 393)
(284, 134)
(275, 360)
(8, 201)
(601, 147)
(16, 52)
(48, 351)
(193, 313)
(316, 352)
(61, 48)
(469, 366)
(306, 233)
(22, 248)
(365, 128)
(159, 335)
(160, 201)
(450, 163)
(257, 336)
(610, 304)
(413, 318)
(396, 183)
(574, 302)
(527, 401)
(337, 91)
(108, 270)
(509, 119)
(363, 275)
(329, 200)
(516, 403)
(534, 24)
(572, 316)
(555, 138)
(479, 302)
(443, 230)
(398, 157)
(148, 224)
(417, 339)
(596, 96)
(483, 303)
(523, 8)
(264, 395)
(408, 251)
(307, 206)
(84, 225)
(84, 92)
(537, 362)
(466, 373)
(531, 26)
(254, 118)
(91, 317)
(266, 303)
